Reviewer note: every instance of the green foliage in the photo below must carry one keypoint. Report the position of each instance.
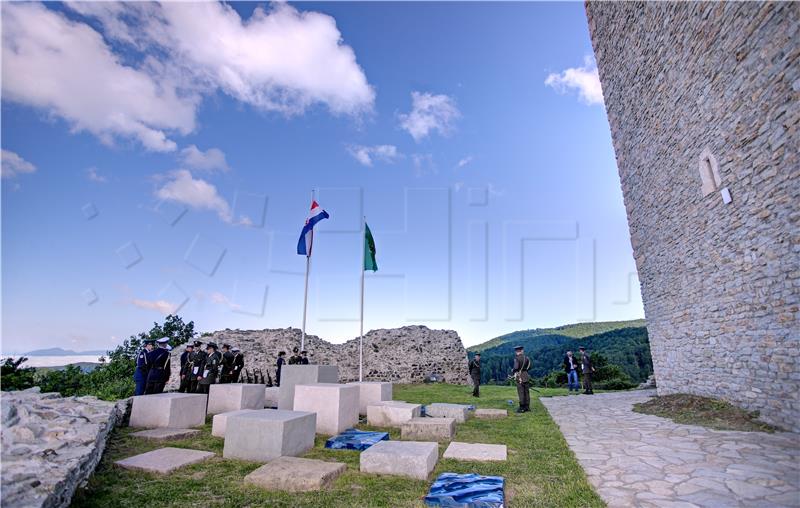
(574, 331)
(606, 376)
(14, 377)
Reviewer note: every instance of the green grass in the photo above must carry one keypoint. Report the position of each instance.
(540, 471)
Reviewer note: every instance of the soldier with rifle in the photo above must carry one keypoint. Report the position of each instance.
(198, 361)
(521, 377)
(186, 368)
(238, 365)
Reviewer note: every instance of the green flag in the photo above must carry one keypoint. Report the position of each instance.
(369, 250)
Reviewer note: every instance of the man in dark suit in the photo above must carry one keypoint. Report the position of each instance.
(521, 366)
(588, 370)
(571, 368)
(475, 374)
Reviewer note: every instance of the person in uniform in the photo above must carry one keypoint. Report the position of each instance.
(226, 367)
(295, 358)
(521, 366)
(186, 368)
(588, 370)
(475, 374)
(142, 368)
(159, 372)
(303, 358)
(281, 361)
(198, 360)
(211, 368)
(238, 365)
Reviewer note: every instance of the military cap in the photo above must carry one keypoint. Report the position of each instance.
(236, 350)
(197, 343)
(518, 348)
(163, 340)
(582, 348)
(212, 345)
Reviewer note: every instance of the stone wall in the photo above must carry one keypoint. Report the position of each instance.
(51, 445)
(720, 282)
(401, 355)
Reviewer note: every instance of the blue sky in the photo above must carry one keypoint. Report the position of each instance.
(163, 157)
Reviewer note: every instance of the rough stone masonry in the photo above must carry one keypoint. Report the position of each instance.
(400, 355)
(703, 101)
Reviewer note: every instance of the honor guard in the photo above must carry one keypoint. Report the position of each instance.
(211, 368)
(238, 364)
(186, 368)
(142, 368)
(198, 361)
(226, 367)
(159, 372)
(281, 361)
(303, 358)
(295, 358)
(521, 366)
(475, 374)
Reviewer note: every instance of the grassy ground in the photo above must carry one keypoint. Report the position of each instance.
(540, 471)
(694, 410)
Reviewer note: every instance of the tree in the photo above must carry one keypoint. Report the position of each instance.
(15, 378)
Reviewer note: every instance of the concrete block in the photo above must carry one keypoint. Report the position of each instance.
(428, 429)
(220, 422)
(164, 434)
(292, 375)
(491, 413)
(264, 435)
(175, 410)
(412, 459)
(392, 413)
(293, 474)
(235, 396)
(163, 460)
(440, 410)
(371, 392)
(271, 396)
(336, 405)
(475, 451)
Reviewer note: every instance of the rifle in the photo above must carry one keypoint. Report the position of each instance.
(515, 377)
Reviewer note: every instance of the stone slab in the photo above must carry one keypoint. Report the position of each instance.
(475, 451)
(336, 405)
(225, 397)
(491, 413)
(271, 396)
(428, 429)
(292, 375)
(412, 459)
(164, 434)
(163, 460)
(294, 474)
(441, 410)
(174, 410)
(371, 392)
(392, 413)
(264, 435)
(220, 422)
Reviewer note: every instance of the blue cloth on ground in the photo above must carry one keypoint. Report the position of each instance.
(354, 439)
(467, 491)
(470, 408)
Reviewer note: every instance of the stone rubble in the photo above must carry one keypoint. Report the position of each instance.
(51, 445)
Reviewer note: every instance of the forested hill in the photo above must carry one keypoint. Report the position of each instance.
(622, 343)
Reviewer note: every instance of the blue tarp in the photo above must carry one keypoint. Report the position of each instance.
(467, 491)
(353, 439)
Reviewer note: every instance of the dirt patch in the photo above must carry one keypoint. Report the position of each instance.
(695, 410)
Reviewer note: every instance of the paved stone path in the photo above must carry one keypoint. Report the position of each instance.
(633, 459)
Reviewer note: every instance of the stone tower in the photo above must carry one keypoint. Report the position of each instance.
(703, 101)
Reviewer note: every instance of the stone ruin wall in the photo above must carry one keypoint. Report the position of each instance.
(720, 282)
(400, 355)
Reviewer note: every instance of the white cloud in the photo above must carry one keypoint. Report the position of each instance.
(463, 162)
(423, 164)
(366, 155)
(220, 299)
(11, 164)
(212, 159)
(429, 113)
(161, 306)
(94, 176)
(584, 79)
(195, 193)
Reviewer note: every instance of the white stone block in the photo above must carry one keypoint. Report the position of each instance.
(489, 414)
(475, 451)
(293, 474)
(264, 435)
(440, 410)
(413, 459)
(336, 405)
(271, 396)
(392, 413)
(164, 460)
(292, 375)
(220, 422)
(175, 410)
(371, 392)
(428, 429)
(235, 396)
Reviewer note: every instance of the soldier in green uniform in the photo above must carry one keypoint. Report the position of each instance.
(186, 368)
(211, 368)
(238, 364)
(227, 364)
(521, 366)
(198, 360)
(295, 358)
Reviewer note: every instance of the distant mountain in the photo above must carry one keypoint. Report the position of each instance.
(57, 351)
(574, 331)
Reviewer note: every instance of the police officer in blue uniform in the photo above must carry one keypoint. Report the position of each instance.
(142, 368)
(159, 367)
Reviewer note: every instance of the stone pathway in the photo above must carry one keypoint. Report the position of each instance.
(633, 459)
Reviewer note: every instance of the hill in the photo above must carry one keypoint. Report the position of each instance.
(57, 351)
(575, 331)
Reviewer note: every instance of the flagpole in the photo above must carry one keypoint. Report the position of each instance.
(305, 298)
(363, 271)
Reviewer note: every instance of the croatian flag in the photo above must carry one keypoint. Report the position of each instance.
(307, 235)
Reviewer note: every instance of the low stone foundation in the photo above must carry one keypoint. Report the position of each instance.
(51, 445)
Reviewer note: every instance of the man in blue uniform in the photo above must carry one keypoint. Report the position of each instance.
(142, 368)
(159, 367)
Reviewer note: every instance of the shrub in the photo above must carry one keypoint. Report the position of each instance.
(13, 377)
